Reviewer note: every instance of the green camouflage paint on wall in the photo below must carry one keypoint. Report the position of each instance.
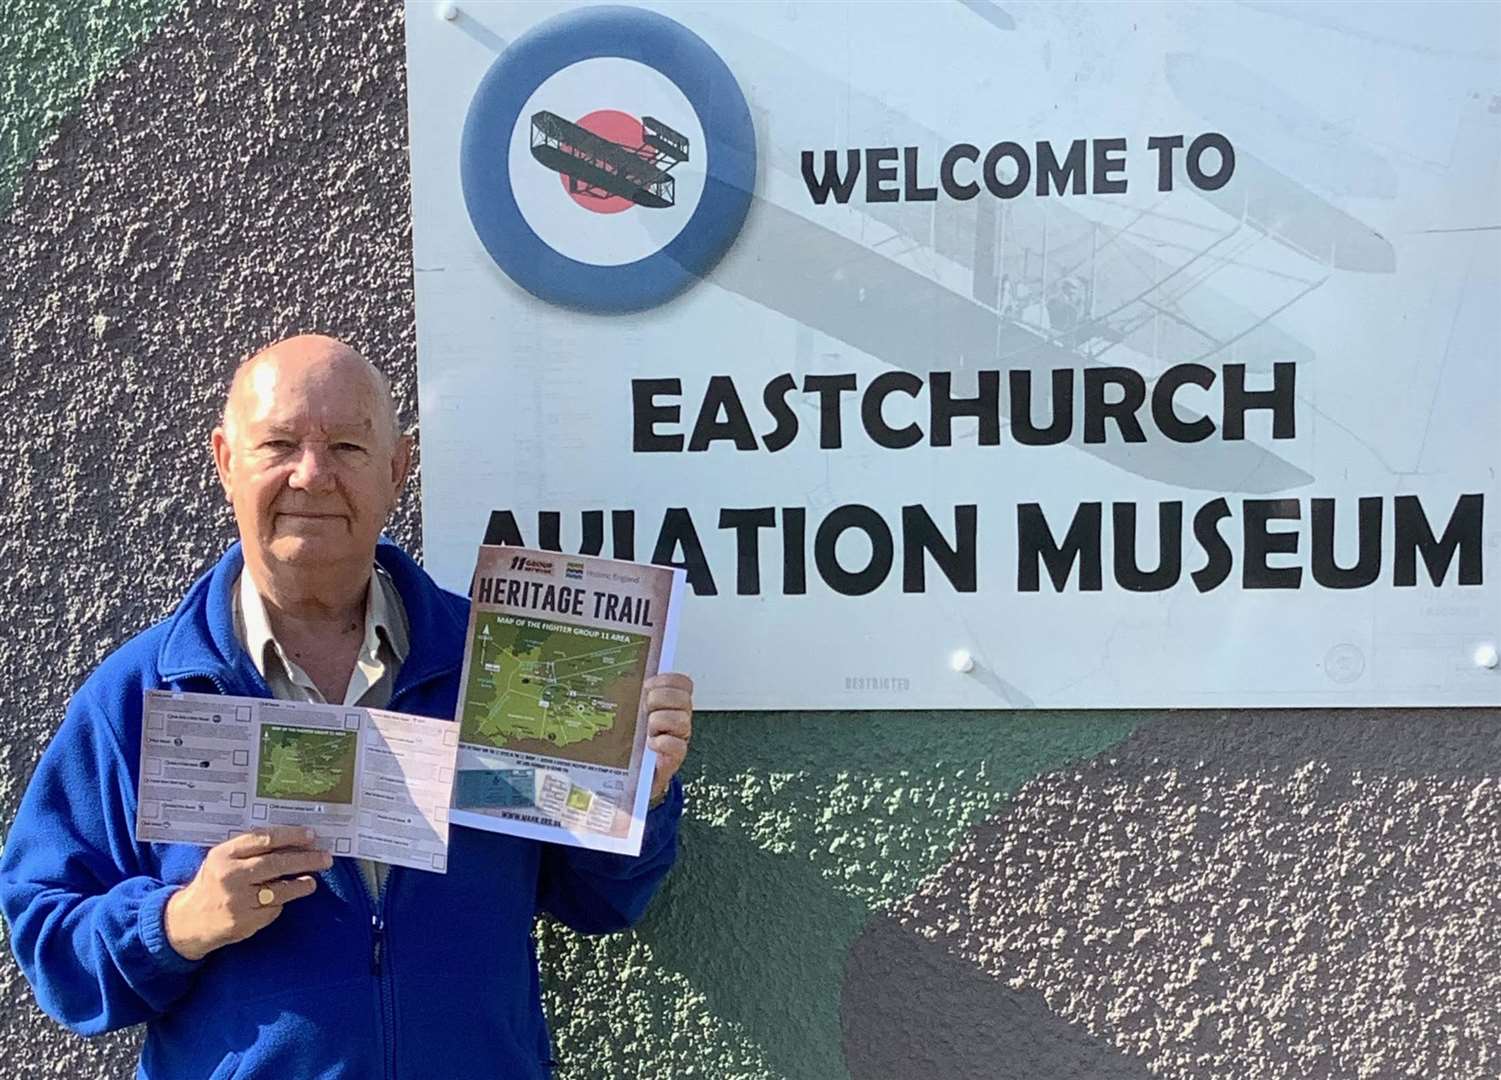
(802, 826)
(53, 52)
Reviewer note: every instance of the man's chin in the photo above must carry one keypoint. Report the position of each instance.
(310, 524)
(313, 550)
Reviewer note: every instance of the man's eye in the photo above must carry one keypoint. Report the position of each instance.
(348, 446)
(279, 444)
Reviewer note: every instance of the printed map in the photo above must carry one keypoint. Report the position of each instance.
(312, 766)
(554, 689)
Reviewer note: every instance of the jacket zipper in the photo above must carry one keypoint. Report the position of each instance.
(380, 965)
(380, 968)
(379, 961)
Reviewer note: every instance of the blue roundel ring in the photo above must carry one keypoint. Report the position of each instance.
(484, 164)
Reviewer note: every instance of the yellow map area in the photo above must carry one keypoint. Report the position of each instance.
(547, 682)
(307, 765)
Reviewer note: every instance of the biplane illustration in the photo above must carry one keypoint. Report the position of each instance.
(600, 168)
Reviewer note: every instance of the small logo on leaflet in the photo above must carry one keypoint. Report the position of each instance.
(531, 566)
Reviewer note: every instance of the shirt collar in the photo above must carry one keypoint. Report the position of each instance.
(384, 622)
(384, 615)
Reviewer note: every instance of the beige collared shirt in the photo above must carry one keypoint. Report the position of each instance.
(385, 647)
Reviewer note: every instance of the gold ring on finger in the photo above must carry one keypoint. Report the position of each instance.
(266, 896)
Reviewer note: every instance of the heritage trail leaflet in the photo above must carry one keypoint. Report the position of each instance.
(552, 742)
(370, 783)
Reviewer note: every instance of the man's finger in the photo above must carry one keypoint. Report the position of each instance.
(281, 892)
(669, 748)
(281, 864)
(670, 722)
(259, 841)
(669, 697)
(295, 888)
(675, 679)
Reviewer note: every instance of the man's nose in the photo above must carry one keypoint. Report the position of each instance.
(314, 471)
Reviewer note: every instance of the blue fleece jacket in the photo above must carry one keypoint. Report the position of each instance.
(436, 979)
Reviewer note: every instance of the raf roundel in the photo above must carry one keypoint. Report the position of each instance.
(608, 160)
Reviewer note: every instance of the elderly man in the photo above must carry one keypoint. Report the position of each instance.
(264, 956)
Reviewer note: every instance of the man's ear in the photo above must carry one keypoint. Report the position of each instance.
(220, 443)
(401, 462)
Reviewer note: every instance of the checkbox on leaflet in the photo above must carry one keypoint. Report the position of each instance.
(151, 811)
(242, 712)
(352, 721)
(440, 862)
(450, 738)
(154, 767)
(242, 757)
(237, 799)
(342, 846)
(258, 812)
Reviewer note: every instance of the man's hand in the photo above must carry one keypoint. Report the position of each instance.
(223, 902)
(669, 725)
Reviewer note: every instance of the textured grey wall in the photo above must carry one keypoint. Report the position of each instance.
(212, 194)
(1299, 895)
(883, 896)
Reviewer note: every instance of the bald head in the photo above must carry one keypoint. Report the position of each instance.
(329, 361)
(312, 460)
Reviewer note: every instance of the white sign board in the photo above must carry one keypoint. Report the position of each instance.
(1101, 356)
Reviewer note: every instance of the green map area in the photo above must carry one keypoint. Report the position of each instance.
(550, 688)
(312, 766)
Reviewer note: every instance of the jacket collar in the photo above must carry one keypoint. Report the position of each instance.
(200, 640)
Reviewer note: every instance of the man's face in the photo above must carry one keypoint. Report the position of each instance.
(308, 459)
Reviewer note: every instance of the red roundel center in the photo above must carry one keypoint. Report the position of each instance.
(618, 127)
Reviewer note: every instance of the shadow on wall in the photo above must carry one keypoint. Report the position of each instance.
(1300, 894)
(910, 1008)
(803, 824)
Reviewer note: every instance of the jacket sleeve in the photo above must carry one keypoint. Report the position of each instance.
(596, 892)
(86, 920)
